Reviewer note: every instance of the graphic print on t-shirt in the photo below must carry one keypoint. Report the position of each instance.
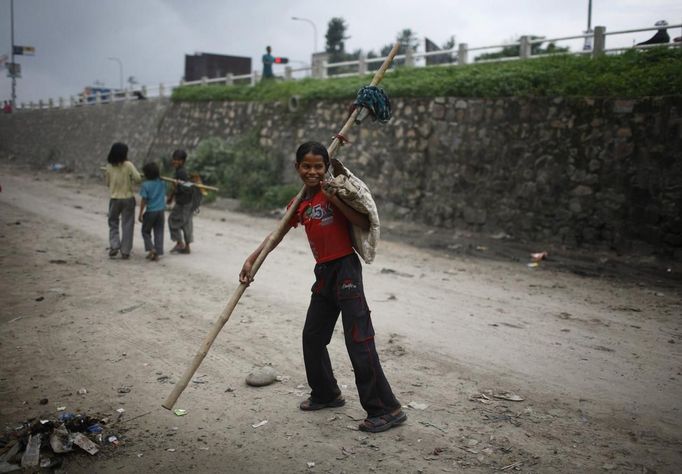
(323, 213)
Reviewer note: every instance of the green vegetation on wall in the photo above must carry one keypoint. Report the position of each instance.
(632, 74)
(243, 170)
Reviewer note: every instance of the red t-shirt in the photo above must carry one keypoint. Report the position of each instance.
(326, 227)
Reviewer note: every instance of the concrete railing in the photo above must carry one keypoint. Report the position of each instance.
(321, 68)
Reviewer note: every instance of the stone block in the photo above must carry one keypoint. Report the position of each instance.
(623, 106)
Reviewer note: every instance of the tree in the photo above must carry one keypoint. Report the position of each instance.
(336, 36)
(514, 50)
(406, 37)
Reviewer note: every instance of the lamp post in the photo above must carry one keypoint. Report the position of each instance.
(120, 70)
(314, 30)
(12, 65)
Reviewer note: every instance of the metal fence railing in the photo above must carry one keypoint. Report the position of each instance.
(321, 68)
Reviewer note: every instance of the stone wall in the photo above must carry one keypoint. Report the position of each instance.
(571, 170)
(79, 138)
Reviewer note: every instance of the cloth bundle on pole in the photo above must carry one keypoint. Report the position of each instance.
(269, 245)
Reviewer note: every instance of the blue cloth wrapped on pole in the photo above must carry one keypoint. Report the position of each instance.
(376, 101)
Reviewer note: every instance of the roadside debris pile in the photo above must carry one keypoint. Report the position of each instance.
(44, 442)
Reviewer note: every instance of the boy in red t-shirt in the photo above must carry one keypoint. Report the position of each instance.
(337, 289)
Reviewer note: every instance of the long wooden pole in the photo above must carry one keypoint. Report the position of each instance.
(191, 183)
(274, 237)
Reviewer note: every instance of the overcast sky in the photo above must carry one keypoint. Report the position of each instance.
(74, 38)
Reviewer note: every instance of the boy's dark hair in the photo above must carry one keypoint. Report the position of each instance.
(315, 148)
(151, 170)
(179, 154)
(118, 153)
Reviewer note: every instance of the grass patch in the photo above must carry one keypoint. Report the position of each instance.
(632, 74)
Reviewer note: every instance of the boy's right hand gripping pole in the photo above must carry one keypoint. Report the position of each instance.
(274, 237)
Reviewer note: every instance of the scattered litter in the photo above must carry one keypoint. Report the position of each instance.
(538, 256)
(44, 401)
(512, 466)
(85, 443)
(95, 428)
(31, 457)
(426, 423)
(480, 397)
(40, 298)
(417, 405)
(512, 397)
(120, 410)
(180, 411)
(56, 167)
(533, 265)
(15, 319)
(481, 248)
(60, 441)
(123, 389)
(66, 416)
(61, 408)
(198, 380)
(259, 424)
(310, 465)
(113, 440)
(261, 376)
(393, 272)
(130, 308)
(58, 261)
(82, 391)
(171, 450)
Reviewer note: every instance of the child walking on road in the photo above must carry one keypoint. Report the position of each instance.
(120, 176)
(338, 289)
(153, 199)
(180, 218)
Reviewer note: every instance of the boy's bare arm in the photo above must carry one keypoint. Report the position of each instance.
(143, 204)
(356, 218)
(245, 275)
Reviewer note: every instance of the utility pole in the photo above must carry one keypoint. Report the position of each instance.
(587, 46)
(13, 70)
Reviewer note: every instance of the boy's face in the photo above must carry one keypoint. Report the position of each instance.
(177, 163)
(311, 169)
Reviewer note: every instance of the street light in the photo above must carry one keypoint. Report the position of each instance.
(120, 70)
(314, 30)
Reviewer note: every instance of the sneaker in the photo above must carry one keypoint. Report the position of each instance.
(154, 258)
(125, 256)
(113, 252)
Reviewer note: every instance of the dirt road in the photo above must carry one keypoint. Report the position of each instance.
(596, 360)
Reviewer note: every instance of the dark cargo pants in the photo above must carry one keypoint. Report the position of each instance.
(338, 288)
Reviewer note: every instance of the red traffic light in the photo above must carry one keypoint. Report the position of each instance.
(280, 60)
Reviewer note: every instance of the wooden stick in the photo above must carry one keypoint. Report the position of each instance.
(191, 183)
(281, 228)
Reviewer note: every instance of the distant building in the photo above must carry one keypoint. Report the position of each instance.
(209, 65)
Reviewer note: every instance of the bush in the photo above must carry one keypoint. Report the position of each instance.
(243, 170)
(632, 74)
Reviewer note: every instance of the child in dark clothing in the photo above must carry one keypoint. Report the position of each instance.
(153, 194)
(180, 218)
(337, 289)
